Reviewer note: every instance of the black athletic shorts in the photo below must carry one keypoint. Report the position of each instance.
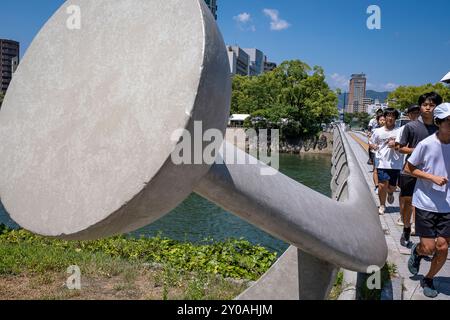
(390, 175)
(407, 185)
(432, 225)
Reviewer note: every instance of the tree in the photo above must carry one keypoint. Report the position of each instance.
(2, 96)
(360, 118)
(293, 97)
(405, 96)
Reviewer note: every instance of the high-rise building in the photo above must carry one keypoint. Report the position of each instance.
(357, 93)
(256, 61)
(212, 4)
(239, 61)
(9, 60)
(366, 103)
(269, 66)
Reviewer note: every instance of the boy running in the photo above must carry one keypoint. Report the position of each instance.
(414, 133)
(430, 163)
(389, 161)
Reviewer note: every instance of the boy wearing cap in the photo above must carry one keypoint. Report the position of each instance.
(430, 163)
(389, 161)
(413, 133)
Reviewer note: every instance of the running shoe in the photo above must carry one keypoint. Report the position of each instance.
(428, 288)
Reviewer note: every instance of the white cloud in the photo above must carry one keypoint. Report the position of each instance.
(390, 86)
(337, 80)
(243, 20)
(382, 87)
(242, 17)
(277, 24)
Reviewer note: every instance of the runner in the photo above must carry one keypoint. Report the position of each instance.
(373, 124)
(413, 114)
(413, 133)
(389, 161)
(381, 121)
(430, 163)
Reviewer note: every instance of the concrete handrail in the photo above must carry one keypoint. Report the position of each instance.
(346, 234)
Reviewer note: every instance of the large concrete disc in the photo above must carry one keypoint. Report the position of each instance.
(85, 148)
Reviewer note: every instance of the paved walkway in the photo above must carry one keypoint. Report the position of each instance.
(398, 254)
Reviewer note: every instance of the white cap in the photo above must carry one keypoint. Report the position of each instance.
(442, 111)
(446, 78)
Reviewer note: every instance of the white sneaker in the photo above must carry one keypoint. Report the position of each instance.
(376, 190)
(400, 222)
(381, 210)
(413, 230)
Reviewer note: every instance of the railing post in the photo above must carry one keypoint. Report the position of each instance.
(316, 277)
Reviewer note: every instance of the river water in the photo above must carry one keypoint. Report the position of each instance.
(197, 219)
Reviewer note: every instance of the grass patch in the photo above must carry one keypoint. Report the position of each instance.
(22, 251)
(120, 267)
(337, 287)
(389, 271)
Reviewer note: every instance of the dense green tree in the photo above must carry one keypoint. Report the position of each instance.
(405, 96)
(293, 97)
(361, 119)
(1, 98)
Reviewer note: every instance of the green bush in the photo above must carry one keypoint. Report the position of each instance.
(21, 251)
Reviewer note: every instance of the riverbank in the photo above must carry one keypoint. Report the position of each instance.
(34, 267)
(323, 144)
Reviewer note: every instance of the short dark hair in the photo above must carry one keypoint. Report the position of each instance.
(412, 108)
(379, 117)
(390, 111)
(432, 96)
(380, 112)
(438, 121)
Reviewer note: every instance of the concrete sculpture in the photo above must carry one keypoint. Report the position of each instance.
(85, 150)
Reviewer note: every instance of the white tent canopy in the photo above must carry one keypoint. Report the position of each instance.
(239, 117)
(446, 78)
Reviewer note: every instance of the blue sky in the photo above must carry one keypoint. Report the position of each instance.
(412, 47)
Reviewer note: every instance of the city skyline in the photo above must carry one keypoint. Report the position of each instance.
(332, 34)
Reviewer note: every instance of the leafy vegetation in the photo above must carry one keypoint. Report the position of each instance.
(360, 118)
(405, 96)
(293, 98)
(388, 272)
(2, 96)
(21, 251)
(337, 287)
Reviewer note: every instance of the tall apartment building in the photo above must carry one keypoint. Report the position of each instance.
(9, 60)
(248, 61)
(239, 61)
(357, 93)
(366, 103)
(212, 4)
(269, 66)
(256, 61)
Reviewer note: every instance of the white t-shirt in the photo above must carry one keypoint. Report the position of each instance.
(399, 136)
(387, 158)
(433, 157)
(374, 125)
(398, 139)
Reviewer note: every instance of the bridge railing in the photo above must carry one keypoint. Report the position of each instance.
(350, 230)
